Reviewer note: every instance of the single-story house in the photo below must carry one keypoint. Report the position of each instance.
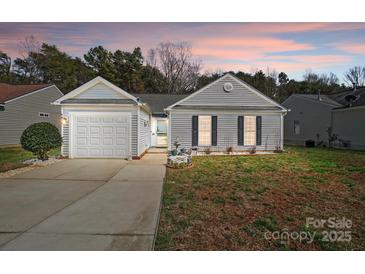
(102, 120)
(311, 116)
(23, 105)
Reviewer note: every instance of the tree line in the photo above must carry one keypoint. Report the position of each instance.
(168, 68)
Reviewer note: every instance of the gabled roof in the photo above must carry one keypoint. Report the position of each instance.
(325, 99)
(340, 97)
(267, 101)
(90, 84)
(9, 92)
(158, 102)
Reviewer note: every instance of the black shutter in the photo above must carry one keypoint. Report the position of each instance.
(240, 131)
(214, 130)
(194, 131)
(258, 130)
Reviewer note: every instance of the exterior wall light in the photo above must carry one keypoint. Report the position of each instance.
(64, 120)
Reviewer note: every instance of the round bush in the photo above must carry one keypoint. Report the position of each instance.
(40, 138)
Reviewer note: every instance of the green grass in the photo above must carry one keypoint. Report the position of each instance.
(12, 157)
(229, 202)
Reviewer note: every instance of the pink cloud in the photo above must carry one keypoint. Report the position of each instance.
(295, 63)
(352, 48)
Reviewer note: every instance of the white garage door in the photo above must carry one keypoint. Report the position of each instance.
(100, 135)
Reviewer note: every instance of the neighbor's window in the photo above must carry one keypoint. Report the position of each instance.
(205, 130)
(43, 114)
(296, 127)
(250, 131)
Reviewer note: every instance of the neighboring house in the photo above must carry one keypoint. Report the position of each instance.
(103, 121)
(308, 119)
(23, 105)
(311, 116)
(348, 120)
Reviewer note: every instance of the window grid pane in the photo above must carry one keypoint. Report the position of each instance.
(250, 131)
(205, 134)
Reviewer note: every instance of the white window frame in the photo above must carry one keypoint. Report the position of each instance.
(206, 132)
(249, 131)
(43, 114)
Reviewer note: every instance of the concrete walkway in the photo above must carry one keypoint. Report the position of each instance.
(83, 204)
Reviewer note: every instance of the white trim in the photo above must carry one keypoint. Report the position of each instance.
(228, 111)
(169, 131)
(91, 84)
(237, 80)
(282, 132)
(138, 125)
(35, 91)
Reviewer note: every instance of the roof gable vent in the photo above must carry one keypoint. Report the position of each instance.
(228, 87)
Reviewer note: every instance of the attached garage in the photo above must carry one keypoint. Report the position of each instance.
(100, 135)
(100, 120)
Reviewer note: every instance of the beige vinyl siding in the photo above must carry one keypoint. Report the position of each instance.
(134, 125)
(144, 132)
(181, 124)
(24, 111)
(214, 95)
(100, 91)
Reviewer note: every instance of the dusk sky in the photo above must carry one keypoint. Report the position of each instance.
(289, 47)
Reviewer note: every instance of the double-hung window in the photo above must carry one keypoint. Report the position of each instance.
(250, 131)
(205, 130)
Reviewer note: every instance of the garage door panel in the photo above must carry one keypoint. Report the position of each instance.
(107, 141)
(107, 130)
(101, 135)
(94, 130)
(81, 141)
(95, 141)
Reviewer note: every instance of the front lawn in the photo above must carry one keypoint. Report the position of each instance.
(12, 157)
(234, 202)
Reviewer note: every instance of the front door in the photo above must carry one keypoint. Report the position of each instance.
(161, 140)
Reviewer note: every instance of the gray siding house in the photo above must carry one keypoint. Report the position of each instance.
(310, 117)
(23, 105)
(100, 120)
(348, 120)
(227, 113)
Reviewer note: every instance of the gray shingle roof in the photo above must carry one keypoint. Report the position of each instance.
(340, 97)
(324, 98)
(158, 102)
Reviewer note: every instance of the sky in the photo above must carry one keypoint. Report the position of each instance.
(290, 47)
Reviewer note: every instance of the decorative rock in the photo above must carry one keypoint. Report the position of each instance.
(179, 161)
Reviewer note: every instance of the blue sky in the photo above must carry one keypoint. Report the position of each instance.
(289, 47)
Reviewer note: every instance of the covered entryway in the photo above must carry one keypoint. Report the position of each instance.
(100, 135)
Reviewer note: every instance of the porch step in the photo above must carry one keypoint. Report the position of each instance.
(157, 150)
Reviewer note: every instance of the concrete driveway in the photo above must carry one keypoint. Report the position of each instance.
(83, 204)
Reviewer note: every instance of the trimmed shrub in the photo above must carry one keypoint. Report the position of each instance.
(40, 138)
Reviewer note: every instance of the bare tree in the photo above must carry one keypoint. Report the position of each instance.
(176, 62)
(29, 45)
(355, 75)
(27, 66)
